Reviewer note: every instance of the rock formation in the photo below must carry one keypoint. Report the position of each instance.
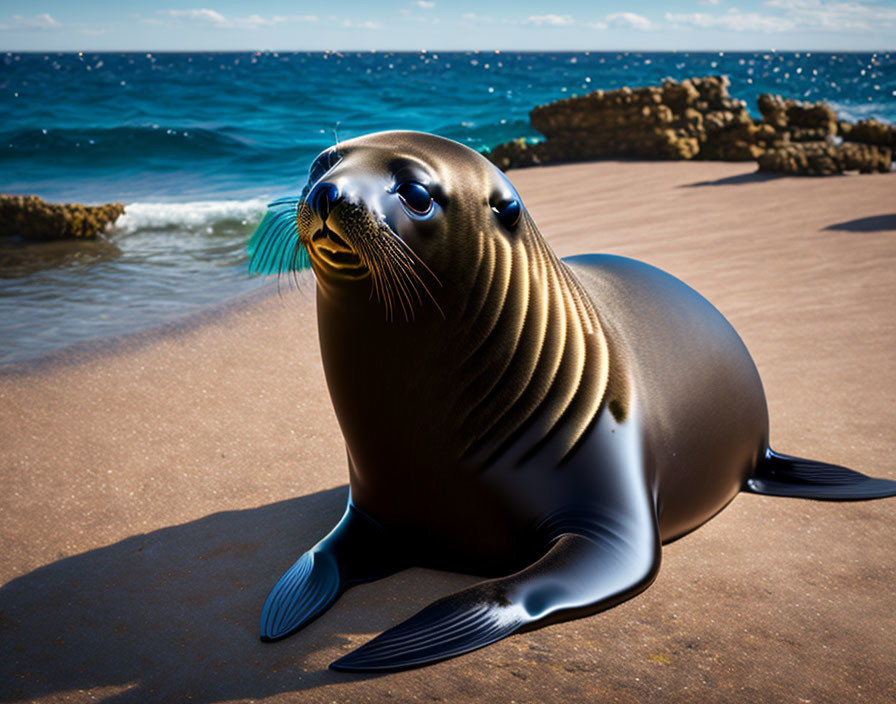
(869, 132)
(798, 121)
(35, 220)
(824, 159)
(697, 119)
(811, 141)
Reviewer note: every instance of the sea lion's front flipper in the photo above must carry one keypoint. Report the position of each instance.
(357, 550)
(592, 565)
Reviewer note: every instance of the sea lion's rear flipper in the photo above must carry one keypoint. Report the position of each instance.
(357, 550)
(584, 571)
(782, 475)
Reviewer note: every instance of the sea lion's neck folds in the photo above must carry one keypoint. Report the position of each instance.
(537, 368)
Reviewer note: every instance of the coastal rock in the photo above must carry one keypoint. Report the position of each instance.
(35, 220)
(806, 122)
(696, 118)
(865, 158)
(811, 159)
(622, 122)
(517, 154)
(693, 118)
(679, 96)
(872, 132)
(672, 121)
(733, 139)
(825, 158)
(772, 110)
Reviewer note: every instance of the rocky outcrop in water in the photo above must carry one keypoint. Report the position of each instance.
(34, 220)
(798, 121)
(697, 119)
(824, 159)
(869, 132)
(811, 141)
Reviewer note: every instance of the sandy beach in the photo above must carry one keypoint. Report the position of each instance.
(151, 492)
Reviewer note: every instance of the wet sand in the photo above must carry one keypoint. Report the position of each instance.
(152, 492)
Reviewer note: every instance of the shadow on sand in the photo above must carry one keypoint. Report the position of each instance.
(753, 177)
(172, 615)
(873, 223)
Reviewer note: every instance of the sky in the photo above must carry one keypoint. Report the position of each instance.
(280, 25)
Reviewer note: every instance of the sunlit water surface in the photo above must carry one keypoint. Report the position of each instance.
(196, 144)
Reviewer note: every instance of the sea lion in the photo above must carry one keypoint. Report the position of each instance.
(547, 422)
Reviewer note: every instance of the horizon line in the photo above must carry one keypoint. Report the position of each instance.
(446, 51)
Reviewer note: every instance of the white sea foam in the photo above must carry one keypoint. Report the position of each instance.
(863, 111)
(151, 216)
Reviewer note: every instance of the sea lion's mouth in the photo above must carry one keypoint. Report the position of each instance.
(329, 246)
(354, 243)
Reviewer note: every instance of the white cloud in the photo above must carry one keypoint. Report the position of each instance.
(554, 20)
(201, 15)
(732, 22)
(42, 21)
(367, 24)
(836, 15)
(597, 25)
(793, 15)
(425, 5)
(216, 20)
(629, 20)
(708, 2)
(473, 17)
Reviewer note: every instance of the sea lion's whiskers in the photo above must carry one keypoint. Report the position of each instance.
(378, 269)
(368, 261)
(381, 264)
(412, 259)
(393, 277)
(412, 281)
(400, 254)
(398, 265)
(387, 261)
(393, 267)
(402, 283)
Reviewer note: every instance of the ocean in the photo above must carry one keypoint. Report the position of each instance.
(196, 145)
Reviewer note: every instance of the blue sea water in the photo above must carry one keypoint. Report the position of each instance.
(195, 145)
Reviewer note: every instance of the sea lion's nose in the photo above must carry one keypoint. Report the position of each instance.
(322, 198)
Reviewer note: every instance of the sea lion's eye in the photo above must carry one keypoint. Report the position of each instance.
(508, 212)
(415, 197)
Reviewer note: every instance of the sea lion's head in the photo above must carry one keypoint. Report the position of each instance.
(433, 283)
(407, 213)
